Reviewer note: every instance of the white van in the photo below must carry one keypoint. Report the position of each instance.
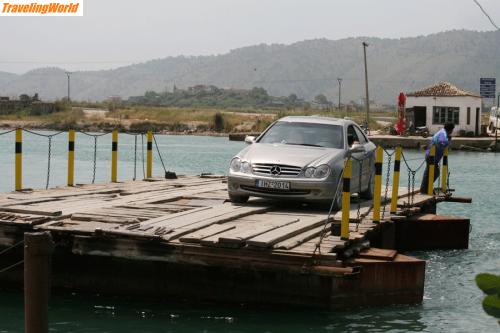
(492, 123)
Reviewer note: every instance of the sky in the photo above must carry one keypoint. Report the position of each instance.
(114, 33)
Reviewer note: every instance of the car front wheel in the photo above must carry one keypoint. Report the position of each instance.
(368, 193)
(238, 198)
(337, 203)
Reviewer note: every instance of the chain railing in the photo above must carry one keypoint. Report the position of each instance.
(159, 155)
(411, 176)
(359, 162)
(324, 231)
(387, 178)
(71, 147)
(392, 159)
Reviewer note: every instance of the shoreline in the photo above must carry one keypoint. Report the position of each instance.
(475, 144)
(109, 130)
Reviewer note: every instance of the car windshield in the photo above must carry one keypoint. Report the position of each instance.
(305, 134)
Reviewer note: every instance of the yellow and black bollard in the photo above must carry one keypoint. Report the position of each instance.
(71, 157)
(346, 201)
(444, 175)
(395, 180)
(378, 184)
(19, 160)
(114, 156)
(149, 162)
(432, 157)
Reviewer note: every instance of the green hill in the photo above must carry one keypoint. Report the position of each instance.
(306, 68)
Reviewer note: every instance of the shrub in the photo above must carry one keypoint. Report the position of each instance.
(218, 122)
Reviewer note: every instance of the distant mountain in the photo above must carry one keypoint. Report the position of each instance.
(6, 77)
(306, 68)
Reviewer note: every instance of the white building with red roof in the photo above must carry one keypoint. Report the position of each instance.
(442, 103)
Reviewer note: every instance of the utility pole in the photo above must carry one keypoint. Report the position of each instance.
(68, 74)
(340, 89)
(367, 102)
(496, 121)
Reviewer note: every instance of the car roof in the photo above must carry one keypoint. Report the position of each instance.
(317, 120)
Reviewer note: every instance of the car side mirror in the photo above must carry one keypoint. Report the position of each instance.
(249, 139)
(357, 148)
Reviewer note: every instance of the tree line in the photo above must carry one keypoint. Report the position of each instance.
(212, 96)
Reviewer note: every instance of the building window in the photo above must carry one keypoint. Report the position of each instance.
(468, 116)
(442, 115)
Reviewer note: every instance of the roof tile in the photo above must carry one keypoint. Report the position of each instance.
(442, 89)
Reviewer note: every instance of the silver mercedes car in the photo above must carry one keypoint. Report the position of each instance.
(302, 158)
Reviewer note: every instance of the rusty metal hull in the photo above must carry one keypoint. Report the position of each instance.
(378, 282)
(432, 232)
(400, 281)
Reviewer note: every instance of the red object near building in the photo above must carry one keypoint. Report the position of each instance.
(401, 123)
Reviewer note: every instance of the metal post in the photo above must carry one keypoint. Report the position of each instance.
(365, 45)
(444, 174)
(149, 156)
(378, 184)
(346, 201)
(38, 248)
(340, 90)
(114, 156)
(71, 157)
(395, 181)
(19, 160)
(432, 156)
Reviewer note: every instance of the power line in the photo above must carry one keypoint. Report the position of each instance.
(62, 62)
(485, 13)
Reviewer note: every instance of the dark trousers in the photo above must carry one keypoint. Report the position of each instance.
(425, 178)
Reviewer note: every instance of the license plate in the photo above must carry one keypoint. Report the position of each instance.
(275, 184)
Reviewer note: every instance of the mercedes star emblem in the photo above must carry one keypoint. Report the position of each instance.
(275, 170)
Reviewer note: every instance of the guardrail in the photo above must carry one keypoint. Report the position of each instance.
(18, 169)
(381, 201)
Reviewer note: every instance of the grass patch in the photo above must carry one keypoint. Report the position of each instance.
(175, 119)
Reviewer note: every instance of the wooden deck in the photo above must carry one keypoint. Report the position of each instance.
(169, 237)
(188, 211)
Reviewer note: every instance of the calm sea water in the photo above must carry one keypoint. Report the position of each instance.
(182, 154)
(452, 302)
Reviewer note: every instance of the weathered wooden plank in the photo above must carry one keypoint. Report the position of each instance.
(197, 236)
(298, 239)
(364, 210)
(376, 253)
(327, 244)
(191, 226)
(240, 235)
(176, 194)
(457, 199)
(270, 238)
(30, 210)
(104, 218)
(148, 224)
(418, 200)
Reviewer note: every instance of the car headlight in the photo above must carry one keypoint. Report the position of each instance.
(245, 167)
(309, 172)
(322, 171)
(235, 165)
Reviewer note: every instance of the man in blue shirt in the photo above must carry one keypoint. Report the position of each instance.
(441, 140)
